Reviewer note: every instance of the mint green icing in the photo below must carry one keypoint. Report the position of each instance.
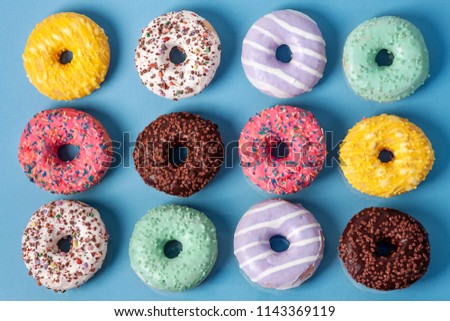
(409, 68)
(161, 225)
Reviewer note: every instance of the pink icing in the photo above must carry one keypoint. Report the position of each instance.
(50, 129)
(300, 131)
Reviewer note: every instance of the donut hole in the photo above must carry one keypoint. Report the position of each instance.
(384, 247)
(384, 58)
(66, 57)
(385, 156)
(178, 155)
(68, 152)
(172, 249)
(279, 150)
(177, 55)
(284, 54)
(65, 244)
(279, 243)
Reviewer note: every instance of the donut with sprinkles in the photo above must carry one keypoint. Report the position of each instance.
(282, 128)
(155, 153)
(384, 249)
(52, 266)
(51, 129)
(194, 37)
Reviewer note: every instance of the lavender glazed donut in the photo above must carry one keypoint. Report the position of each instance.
(190, 34)
(304, 39)
(263, 265)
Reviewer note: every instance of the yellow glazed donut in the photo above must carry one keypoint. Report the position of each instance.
(56, 36)
(385, 155)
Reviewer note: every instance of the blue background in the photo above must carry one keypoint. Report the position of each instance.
(123, 104)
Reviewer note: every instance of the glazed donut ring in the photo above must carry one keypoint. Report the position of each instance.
(198, 241)
(384, 83)
(304, 39)
(57, 220)
(59, 33)
(299, 130)
(263, 265)
(199, 136)
(192, 35)
(50, 129)
(384, 249)
(412, 156)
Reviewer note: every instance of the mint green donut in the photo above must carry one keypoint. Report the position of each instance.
(164, 224)
(409, 68)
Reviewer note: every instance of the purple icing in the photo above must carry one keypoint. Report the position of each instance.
(279, 270)
(275, 78)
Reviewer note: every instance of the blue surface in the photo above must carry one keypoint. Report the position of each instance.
(124, 105)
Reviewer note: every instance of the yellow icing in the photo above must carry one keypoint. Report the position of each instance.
(413, 156)
(66, 31)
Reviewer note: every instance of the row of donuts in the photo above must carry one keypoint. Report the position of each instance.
(382, 249)
(385, 59)
(410, 153)
(49, 130)
(407, 243)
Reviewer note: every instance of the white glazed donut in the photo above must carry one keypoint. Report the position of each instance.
(53, 222)
(192, 35)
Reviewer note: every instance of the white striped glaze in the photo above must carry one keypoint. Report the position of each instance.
(275, 78)
(278, 270)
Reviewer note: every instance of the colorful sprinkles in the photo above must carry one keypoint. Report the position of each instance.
(192, 35)
(300, 131)
(57, 220)
(50, 129)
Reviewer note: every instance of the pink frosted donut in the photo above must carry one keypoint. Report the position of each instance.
(50, 129)
(282, 126)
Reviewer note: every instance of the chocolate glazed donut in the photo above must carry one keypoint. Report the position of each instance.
(155, 146)
(384, 249)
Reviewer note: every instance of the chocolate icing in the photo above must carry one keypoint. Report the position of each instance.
(205, 153)
(407, 261)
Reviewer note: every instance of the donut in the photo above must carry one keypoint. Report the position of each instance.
(406, 54)
(49, 265)
(384, 249)
(51, 129)
(45, 62)
(155, 144)
(197, 253)
(278, 270)
(410, 156)
(307, 46)
(296, 129)
(194, 37)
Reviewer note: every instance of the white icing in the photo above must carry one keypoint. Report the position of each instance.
(265, 207)
(278, 73)
(258, 46)
(273, 223)
(195, 36)
(275, 269)
(267, 33)
(56, 220)
(250, 245)
(295, 30)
